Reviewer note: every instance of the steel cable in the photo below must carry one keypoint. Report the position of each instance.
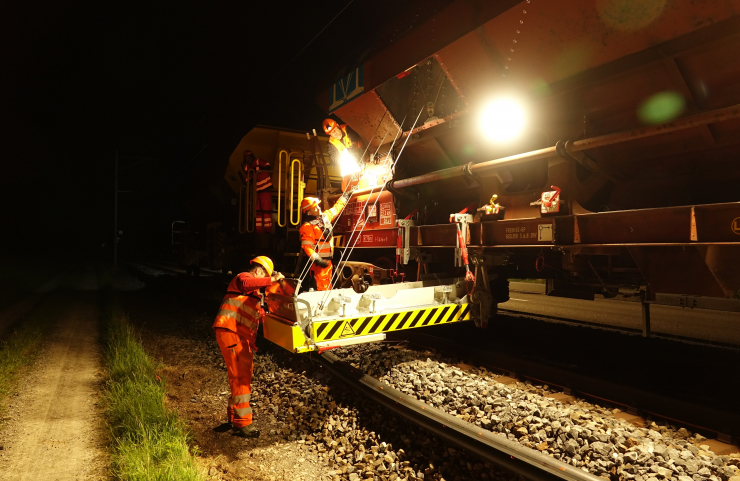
(349, 251)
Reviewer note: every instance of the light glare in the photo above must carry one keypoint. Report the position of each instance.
(348, 164)
(502, 120)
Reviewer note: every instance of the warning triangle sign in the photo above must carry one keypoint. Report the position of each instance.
(347, 330)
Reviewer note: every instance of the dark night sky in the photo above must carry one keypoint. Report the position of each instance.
(178, 81)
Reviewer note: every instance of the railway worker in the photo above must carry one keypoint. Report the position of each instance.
(341, 139)
(236, 328)
(248, 159)
(263, 220)
(316, 237)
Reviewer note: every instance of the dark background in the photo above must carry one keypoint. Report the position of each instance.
(181, 82)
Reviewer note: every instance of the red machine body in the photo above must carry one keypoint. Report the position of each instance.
(626, 173)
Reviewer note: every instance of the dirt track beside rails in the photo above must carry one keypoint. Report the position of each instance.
(55, 430)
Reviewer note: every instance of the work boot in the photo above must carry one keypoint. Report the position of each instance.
(223, 428)
(247, 432)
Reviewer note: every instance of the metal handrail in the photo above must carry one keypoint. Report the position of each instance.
(248, 203)
(292, 191)
(280, 180)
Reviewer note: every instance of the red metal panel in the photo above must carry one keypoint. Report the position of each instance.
(441, 235)
(559, 39)
(451, 23)
(367, 116)
(613, 105)
(718, 222)
(355, 213)
(466, 64)
(712, 79)
(518, 232)
(669, 225)
(373, 238)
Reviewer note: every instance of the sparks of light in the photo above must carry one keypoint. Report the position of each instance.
(348, 164)
(503, 120)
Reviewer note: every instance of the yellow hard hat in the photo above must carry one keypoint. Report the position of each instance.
(265, 262)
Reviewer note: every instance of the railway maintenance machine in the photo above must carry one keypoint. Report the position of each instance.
(591, 144)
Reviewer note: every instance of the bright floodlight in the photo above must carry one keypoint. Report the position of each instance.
(502, 120)
(347, 163)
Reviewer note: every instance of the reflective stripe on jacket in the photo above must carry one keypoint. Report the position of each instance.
(264, 181)
(239, 309)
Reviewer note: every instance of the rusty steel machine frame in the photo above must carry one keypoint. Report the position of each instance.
(670, 251)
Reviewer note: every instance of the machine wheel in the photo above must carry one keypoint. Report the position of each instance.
(384, 263)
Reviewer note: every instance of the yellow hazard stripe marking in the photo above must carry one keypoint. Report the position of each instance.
(396, 321)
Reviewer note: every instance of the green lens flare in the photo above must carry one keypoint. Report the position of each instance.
(661, 107)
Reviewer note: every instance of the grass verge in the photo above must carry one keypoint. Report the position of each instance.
(150, 441)
(20, 348)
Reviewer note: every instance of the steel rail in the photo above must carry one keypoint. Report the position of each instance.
(495, 448)
(709, 420)
(696, 120)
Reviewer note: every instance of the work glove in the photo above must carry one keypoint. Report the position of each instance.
(316, 259)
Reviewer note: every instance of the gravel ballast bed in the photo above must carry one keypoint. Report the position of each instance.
(355, 438)
(581, 434)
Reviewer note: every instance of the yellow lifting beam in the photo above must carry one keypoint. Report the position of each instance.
(359, 329)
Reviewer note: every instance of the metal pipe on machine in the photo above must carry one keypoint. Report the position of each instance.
(696, 120)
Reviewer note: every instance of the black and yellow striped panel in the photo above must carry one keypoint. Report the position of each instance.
(377, 323)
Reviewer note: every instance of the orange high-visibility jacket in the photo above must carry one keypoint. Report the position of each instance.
(345, 143)
(316, 236)
(240, 310)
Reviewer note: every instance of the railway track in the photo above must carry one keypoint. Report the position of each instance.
(300, 417)
(529, 463)
(636, 403)
(582, 440)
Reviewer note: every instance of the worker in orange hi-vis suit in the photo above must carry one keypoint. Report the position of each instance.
(263, 181)
(316, 236)
(263, 221)
(341, 138)
(236, 328)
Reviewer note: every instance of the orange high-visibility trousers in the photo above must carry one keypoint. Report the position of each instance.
(322, 276)
(263, 221)
(238, 356)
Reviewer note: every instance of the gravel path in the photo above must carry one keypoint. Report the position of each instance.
(582, 434)
(55, 428)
